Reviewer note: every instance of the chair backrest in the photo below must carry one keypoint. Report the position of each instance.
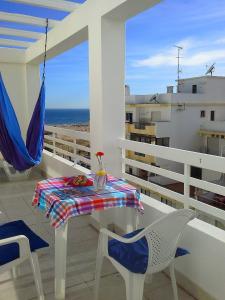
(163, 237)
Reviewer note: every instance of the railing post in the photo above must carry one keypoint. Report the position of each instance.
(54, 145)
(75, 151)
(187, 174)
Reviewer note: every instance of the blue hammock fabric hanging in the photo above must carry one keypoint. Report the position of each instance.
(12, 146)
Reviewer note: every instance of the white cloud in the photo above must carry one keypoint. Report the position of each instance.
(220, 41)
(192, 54)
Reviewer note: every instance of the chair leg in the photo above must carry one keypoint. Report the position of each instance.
(173, 281)
(37, 275)
(134, 286)
(99, 263)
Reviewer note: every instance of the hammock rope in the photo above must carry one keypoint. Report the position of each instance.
(45, 53)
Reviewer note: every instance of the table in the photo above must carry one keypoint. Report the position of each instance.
(60, 202)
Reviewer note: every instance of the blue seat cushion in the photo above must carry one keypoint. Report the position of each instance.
(11, 251)
(134, 256)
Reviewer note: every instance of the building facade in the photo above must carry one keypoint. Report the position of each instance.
(193, 119)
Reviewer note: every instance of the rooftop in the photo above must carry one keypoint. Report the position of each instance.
(203, 77)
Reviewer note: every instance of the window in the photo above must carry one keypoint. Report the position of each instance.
(163, 141)
(139, 154)
(194, 88)
(139, 126)
(202, 114)
(212, 115)
(129, 117)
(135, 137)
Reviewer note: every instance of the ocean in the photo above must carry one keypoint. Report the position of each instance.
(67, 116)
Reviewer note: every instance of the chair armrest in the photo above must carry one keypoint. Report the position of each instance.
(22, 240)
(110, 234)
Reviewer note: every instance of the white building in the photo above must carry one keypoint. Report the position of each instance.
(179, 116)
(193, 119)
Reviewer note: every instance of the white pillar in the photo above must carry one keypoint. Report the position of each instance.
(32, 88)
(107, 91)
(107, 97)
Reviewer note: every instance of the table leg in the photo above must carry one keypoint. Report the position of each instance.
(132, 219)
(60, 261)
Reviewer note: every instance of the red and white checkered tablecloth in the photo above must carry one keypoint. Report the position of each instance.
(61, 202)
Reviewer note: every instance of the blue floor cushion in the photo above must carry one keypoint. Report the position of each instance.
(10, 252)
(134, 256)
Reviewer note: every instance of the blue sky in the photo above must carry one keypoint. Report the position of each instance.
(197, 25)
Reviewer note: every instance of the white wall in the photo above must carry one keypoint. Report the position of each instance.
(14, 79)
(211, 86)
(22, 84)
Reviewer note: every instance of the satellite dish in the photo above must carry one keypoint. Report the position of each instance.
(211, 69)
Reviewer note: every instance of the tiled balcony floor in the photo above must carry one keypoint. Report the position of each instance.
(15, 203)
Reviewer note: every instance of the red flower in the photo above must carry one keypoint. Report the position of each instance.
(100, 153)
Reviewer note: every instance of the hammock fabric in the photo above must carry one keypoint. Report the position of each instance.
(12, 146)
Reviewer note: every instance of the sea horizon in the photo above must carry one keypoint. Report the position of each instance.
(67, 116)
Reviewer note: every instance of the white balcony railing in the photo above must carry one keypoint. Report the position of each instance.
(74, 146)
(69, 144)
(187, 159)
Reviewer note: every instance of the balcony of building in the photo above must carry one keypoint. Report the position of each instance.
(213, 129)
(102, 23)
(143, 128)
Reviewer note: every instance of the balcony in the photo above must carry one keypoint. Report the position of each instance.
(102, 23)
(16, 203)
(213, 129)
(203, 234)
(141, 128)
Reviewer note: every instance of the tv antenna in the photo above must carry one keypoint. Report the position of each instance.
(179, 48)
(210, 70)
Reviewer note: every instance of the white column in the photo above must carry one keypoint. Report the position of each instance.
(107, 96)
(32, 88)
(107, 92)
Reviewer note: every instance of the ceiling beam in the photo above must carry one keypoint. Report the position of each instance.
(73, 29)
(25, 19)
(20, 33)
(14, 43)
(52, 4)
(12, 55)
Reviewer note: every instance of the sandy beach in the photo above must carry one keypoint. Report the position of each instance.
(76, 127)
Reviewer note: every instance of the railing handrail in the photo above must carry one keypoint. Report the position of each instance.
(187, 159)
(68, 132)
(55, 143)
(196, 159)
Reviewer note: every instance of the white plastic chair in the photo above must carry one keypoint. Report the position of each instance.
(24, 254)
(162, 237)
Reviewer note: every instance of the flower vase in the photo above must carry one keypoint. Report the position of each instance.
(100, 180)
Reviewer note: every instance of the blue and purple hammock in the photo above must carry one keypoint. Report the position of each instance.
(16, 152)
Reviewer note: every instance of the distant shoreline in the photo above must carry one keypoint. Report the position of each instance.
(76, 127)
(67, 117)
